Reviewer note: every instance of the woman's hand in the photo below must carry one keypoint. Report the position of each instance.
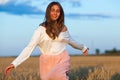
(9, 69)
(86, 52)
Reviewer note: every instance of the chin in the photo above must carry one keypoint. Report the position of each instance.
(54, 19)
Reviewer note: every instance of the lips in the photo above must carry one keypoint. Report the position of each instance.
(54, 17)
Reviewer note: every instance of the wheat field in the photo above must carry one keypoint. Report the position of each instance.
(82, 68)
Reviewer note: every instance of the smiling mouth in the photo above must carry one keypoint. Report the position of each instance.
(54, 16)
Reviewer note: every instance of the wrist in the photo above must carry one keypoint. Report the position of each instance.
(11, 65)
(84, 49)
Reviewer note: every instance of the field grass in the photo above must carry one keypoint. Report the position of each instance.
(82, 68)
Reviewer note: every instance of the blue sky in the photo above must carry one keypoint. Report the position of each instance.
(95, 23)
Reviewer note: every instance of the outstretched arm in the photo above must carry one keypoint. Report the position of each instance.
(81, 47)
(25, 54)
(73, 43)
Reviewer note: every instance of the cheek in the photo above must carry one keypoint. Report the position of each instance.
(51, 13)
(58, 14)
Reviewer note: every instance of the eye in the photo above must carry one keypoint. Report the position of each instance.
(55, 9)
(58, 11)
(52, 10)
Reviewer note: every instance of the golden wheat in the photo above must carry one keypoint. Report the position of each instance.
(82, 68)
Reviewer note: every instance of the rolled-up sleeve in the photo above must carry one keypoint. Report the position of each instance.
(25, 54)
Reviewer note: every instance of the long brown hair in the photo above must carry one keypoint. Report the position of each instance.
(53, 28)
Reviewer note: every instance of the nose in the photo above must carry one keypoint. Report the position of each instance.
(55, 12)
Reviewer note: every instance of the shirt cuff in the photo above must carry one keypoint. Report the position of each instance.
(14, 64)
(84, 49)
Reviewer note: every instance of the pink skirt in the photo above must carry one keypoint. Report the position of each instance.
(54, 67)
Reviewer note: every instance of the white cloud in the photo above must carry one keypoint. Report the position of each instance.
(2, 2)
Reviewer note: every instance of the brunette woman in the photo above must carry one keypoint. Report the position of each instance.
(51, 37)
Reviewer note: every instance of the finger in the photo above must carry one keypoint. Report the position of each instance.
(7, 73)
(7, 70)
(86, 52)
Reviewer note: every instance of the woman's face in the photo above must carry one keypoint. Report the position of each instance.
(54, 12)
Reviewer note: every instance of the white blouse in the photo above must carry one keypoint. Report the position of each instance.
(46, 45)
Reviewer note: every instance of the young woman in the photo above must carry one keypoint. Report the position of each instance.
(51, 37)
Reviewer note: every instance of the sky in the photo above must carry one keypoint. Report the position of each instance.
(94, 23)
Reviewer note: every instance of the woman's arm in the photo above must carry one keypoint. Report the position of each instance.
(81, 47)
(68, 39)
(25, 54)
(76, 45)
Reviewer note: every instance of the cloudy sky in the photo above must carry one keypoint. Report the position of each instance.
(95, 23)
